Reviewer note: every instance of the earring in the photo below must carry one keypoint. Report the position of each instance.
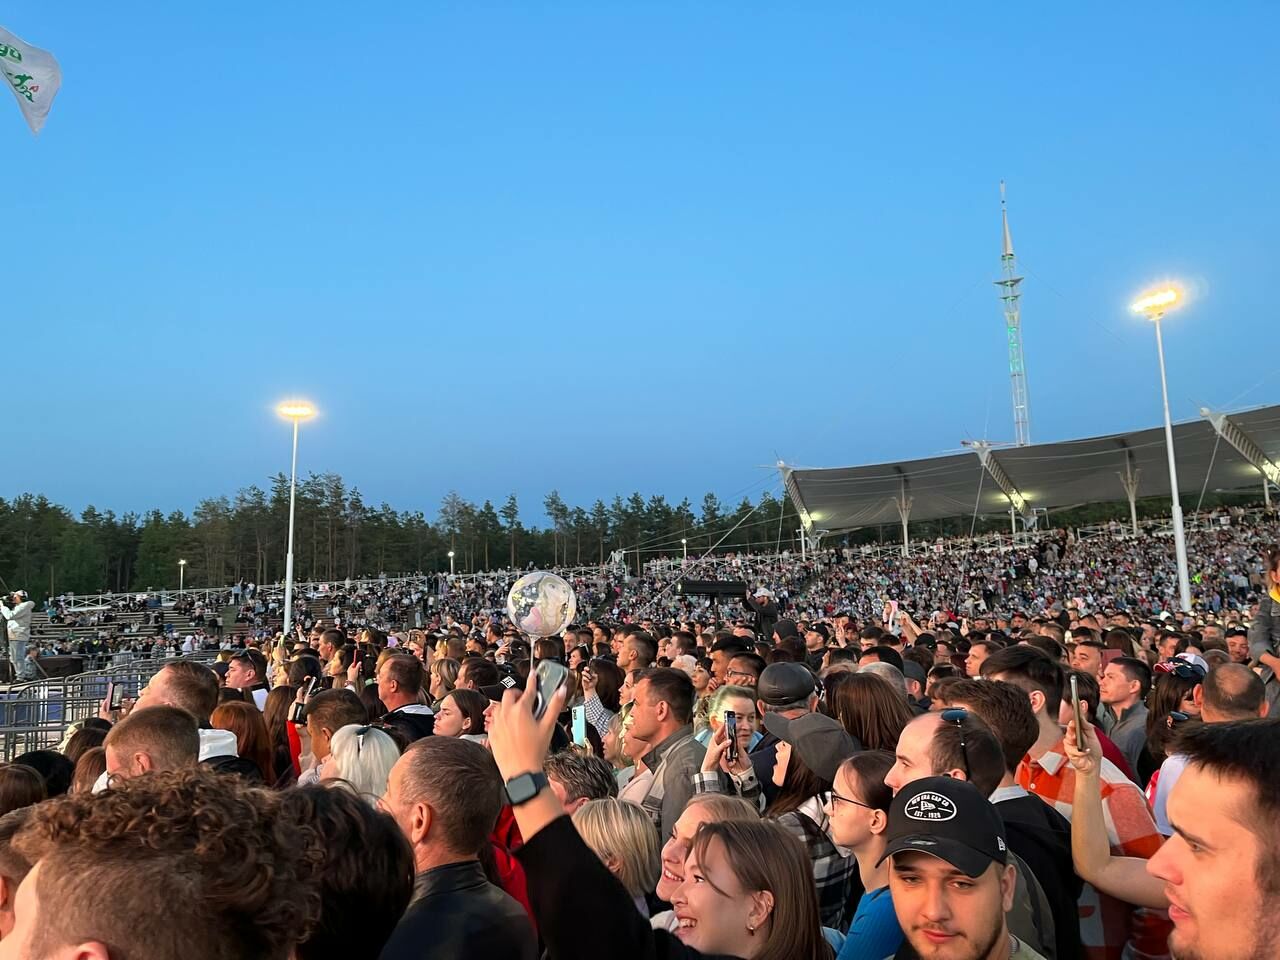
(751, 931)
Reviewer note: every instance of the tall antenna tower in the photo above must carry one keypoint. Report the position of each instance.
(1010, 296)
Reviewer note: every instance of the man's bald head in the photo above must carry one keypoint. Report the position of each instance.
(1232, 691)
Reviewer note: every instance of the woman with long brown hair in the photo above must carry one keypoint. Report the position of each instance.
(253, 743)
(276, 716)
(869, 709)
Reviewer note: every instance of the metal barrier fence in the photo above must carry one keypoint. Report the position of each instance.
(36, 715)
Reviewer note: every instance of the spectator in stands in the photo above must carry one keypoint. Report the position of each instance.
(1038, 834)
(979, 650)
(461, 714)
(757, 899)
(444, 677)
(744, 670)
(741, 701)
(949, 876)
(602, 682)
(91, 765)
(957, 744)
(1123, 689)
(157, 739)
(285, 745)
(400, 681)
(361, 756)
(577, 778)
(445, 795)
(247, 671)
(327, 712)
(477, 672)
(859, 810)
(662, 720)
(1047, 773)
(84, 739)
(622, 836)
(20, 786)
(14, 867)
(722, 652)
(55, 769)
(1216, 874)
(702, 808)
(870, 709)
(193, 687)
(365, 870)
(253, 742)
(198, 868)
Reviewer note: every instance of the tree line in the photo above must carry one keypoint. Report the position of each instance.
(337, 535)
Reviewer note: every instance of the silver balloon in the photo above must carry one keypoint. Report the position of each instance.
(541, 604)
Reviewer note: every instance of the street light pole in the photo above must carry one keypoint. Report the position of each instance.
(297, 412)
(451, 563)
(684, 545)
(1154, 306)
(182, 576)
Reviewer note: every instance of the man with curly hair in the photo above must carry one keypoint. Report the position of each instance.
(179, 865)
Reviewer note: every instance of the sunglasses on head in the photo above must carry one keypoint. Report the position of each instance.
(958, 716)
(1181, 669)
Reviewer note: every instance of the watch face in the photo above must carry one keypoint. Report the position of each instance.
(525, 787)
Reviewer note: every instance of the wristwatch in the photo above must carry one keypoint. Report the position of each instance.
(525, 787)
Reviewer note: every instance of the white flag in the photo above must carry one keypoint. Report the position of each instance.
(33, 75)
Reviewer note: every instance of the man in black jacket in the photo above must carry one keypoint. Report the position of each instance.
(445, 793)
(400, 680)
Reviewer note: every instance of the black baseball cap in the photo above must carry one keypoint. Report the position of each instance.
(784, 682)
(948, 819)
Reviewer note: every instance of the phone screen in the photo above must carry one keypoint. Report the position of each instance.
(580, 725)
(116, 695)
(1077, 708)
(731, 735)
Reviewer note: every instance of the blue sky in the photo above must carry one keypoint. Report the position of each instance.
(517, 246)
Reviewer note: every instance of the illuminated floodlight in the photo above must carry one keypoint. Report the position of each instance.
(1156, 302)
(296, 410)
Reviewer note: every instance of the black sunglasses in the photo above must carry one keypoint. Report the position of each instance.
(958, 716)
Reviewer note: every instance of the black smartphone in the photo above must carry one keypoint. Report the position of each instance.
(298, 712)
(115, 694)
(1077, 710)
(551, 676)
(731, 735)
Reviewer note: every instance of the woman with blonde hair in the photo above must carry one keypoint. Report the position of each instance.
(444, 677)
(621, 834)
(362, 757)
(702, 808)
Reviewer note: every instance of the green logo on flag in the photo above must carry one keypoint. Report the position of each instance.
(25, 89)
(10, 53)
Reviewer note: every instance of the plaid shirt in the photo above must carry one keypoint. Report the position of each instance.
(1105, 923)
(598, 715)
(834, 873)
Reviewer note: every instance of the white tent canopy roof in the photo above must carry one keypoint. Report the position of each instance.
(1045, 475)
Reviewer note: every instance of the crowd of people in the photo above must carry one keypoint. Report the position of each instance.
(978, 756)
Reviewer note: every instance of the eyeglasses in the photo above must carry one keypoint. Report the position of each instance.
(957, 716)
(857, 803)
